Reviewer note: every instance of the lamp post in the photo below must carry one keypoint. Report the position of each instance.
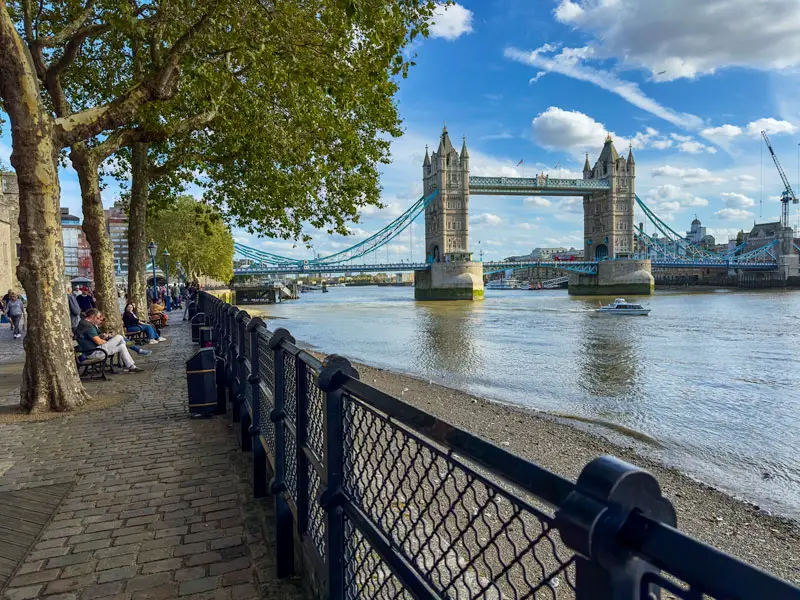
(151, 248)
(168, 298)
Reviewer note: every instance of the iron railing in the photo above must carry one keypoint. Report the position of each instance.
(379, 499)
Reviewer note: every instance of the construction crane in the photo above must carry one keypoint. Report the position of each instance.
(788, 194)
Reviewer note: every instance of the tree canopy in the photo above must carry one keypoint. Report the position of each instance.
(196, 236)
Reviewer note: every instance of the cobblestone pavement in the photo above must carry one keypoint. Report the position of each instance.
(159, 505)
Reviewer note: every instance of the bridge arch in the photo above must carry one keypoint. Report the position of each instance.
(601, 252)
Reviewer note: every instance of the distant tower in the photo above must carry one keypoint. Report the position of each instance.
(447, 216)
(608, 217)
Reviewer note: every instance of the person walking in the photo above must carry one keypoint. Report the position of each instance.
(15, 311)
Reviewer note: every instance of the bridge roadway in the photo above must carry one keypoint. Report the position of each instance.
(584, 267)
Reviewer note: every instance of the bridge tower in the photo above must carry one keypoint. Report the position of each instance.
(608, 229)
(452, 274)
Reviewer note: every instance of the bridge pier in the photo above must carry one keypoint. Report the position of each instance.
(449, 281)
(624, 277)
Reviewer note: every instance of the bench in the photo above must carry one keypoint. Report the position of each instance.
(94, 367)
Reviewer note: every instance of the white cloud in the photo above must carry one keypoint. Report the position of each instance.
(682, 38)
(671, 198)
(734, 200)
(734, 214)
(694, 176)
(538, 201)
(536, 77)
(722, 135)
(450, 22)
(527, 226)
(574, 131)
(570, 62)
(485, 219)
(568, 11)
(771, 126)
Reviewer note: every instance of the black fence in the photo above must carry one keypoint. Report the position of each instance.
(377, 499)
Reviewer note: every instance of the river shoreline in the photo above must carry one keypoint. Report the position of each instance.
(710, 515)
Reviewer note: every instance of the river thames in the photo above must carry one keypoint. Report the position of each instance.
(710, 377)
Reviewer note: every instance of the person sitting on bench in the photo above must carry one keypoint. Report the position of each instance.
(133, 323)
(89, 338)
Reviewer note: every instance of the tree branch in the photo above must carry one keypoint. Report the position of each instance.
(128, 137)
(122, 110)
(70, 30)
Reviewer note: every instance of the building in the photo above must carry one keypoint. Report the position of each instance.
(548, 254)
(761, 234)
(609, 234)
(698, 235)
(70, 232)
(9, 231)
(117, 226)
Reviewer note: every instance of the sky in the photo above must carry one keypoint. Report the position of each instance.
(688, 85)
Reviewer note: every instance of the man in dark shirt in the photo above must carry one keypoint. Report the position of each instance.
(89, 337)
(85, 301)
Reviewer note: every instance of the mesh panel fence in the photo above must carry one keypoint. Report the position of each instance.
(466, 535)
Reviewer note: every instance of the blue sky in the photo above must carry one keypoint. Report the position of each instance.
(689, 85)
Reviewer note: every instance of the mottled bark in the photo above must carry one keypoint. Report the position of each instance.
(137, 223)
(94, 226)
(49, 378)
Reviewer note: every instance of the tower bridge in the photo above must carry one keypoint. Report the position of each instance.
(619, 256)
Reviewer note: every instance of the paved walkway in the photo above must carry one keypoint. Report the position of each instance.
(159, 505)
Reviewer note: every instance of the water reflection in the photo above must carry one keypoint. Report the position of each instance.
(608, 357)
(447, 337)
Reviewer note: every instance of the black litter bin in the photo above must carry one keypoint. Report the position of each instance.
(192, 309)
(198, 321)
(201, 373)
(206, 337)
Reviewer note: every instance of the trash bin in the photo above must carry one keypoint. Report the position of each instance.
(206, 337)
(201, 374)
(192, 309)
(198, 321)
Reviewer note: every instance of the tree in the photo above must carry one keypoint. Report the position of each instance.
(739, 237)
(196, 235)
(190, 51)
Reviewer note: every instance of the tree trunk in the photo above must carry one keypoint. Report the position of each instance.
(137, 224)
(49, 378)
(94, 226)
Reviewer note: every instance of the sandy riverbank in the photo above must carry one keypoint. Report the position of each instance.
(736, 527)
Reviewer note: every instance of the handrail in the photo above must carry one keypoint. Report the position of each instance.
(388, 500)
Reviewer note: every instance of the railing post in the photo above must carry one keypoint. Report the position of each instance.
(589, 522)
(254, 381)
(230, 338)
(245, 442)
(284, 522)
(301, 428)
(334, 372)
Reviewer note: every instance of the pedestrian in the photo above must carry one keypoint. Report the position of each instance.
(15, 311)
(85, 300)
(74, 308)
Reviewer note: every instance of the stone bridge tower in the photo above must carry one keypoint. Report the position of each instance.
(608, 216)
(608, 230)
(451, 274)
(447, 216)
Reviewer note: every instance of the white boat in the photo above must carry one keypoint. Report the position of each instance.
(621, 307)
(503, 284)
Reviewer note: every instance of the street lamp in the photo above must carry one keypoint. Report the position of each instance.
(167, 299)
(151, 248)
(178, 271)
